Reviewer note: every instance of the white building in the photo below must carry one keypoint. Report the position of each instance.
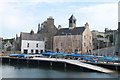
(32, 43)
(32, 46)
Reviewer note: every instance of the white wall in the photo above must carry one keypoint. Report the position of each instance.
(32, 45)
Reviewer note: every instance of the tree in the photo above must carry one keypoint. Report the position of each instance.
(110, 37)
(100, 36)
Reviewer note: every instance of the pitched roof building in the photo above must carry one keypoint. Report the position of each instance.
(48, 30)
(45, 33)
(73, 39)
(31, 42)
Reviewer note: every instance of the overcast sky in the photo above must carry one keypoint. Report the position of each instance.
(23, 15)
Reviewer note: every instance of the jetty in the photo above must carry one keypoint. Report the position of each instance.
(55, 61)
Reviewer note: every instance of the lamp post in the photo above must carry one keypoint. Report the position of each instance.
(98, 47)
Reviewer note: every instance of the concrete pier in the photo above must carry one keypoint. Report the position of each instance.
(56, 62)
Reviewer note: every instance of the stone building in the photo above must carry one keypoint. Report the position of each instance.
(73, 39)
(104, 39)
(8, 44)
(99, 40)
(48, 30)
(111, 35)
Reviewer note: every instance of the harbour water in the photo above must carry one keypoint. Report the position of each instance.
(34, 71)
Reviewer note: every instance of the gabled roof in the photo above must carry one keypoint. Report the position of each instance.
(28, 36)
(72, 17)
(67, 31)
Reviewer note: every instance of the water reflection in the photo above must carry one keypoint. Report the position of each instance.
(16, 70)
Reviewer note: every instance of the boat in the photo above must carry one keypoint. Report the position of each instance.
(17, 55)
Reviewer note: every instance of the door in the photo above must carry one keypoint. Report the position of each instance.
(25, 51)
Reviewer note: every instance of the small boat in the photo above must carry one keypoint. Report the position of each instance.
(17, 55)
(32, 56)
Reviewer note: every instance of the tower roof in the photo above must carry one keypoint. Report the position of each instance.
(72, 17)
(32, 32)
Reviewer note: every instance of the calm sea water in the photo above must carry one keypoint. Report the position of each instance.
(32, 71)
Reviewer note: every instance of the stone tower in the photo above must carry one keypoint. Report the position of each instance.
(50, 21)
(48, 30)
(72, 22)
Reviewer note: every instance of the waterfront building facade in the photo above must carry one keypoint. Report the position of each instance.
(8, 44)
(99, 40)
(73, 39)
(111, 35)
(32, 43)
(48, 30)
(104, 39)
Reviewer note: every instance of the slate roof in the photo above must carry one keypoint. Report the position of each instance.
(28, 36)
(67, 31)
(72, 18)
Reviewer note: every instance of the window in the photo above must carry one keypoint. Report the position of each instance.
(84, 44)
(37, 45)
(31, 50)
(41, 51)
(70, 21)
(25, 51)
(27, 44)
(90, 44)
(84, 36)
(74, 21)
(36, 51)
(61, 44)
(90, 37)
